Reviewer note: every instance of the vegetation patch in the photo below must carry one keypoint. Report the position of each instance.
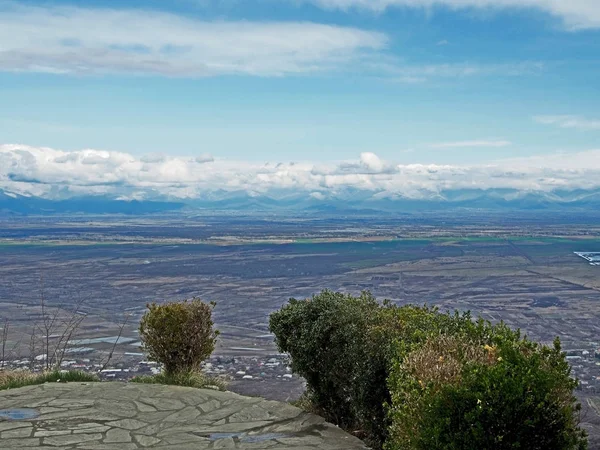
(188, 379)
(16, 379)
(179, 335)
(415, 378)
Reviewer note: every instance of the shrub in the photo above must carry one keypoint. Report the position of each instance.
(178, 335)
(415, 378)
(392, 334)
(342, 345)
(455, 393)
(325, 336)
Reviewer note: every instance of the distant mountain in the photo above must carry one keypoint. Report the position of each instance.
(25, 205)
(346, 202)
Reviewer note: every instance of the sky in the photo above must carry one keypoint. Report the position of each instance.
(206, 90)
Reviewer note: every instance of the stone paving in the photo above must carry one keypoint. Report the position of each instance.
(124, 416)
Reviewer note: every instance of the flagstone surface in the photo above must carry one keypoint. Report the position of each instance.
(124, 416)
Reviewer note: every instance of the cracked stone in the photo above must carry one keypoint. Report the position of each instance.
(90, 428)
(120, 416)
(224, 443)
(47, 433)
(50, 409)
(146, 441)
(142, 407)
(71, 439)
(117, 435)
(164, 404)
(209, 406)
(19, 443)
(128, 424)
(185, 438)
(12, 425)
(187, 414)
(122, 446)
(252, 413)
(37, 403)
(70, 403)
(17, 433)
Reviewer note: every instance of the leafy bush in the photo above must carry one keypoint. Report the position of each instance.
(325, 336)
(179, 335)
(455, 393)
(342, 345)
(392, 334)
(407, 376)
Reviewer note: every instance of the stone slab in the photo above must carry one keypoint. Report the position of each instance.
(121, 416)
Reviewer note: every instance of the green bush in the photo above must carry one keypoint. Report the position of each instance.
(178, 335)
(455, 393)
(342, 345)
(397, 374)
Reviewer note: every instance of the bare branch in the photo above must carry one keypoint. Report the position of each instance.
(4, 341)
(112, 350)
(70, 330)
(32, 346)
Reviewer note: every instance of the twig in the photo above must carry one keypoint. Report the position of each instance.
(71, 326)
(32, 342)
(112, 350)
(4, 339)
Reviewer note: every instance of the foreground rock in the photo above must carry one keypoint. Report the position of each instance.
(133, 416)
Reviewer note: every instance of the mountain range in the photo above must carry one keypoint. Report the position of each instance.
(347, 202)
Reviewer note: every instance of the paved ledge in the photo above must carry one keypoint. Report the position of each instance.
(125, 416)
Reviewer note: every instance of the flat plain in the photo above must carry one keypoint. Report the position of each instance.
(523, 271)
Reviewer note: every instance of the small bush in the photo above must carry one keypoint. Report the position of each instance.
(178, 335)
(17, 379)
(189, 379)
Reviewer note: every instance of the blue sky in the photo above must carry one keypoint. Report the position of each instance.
(397, 80)
(395, 97)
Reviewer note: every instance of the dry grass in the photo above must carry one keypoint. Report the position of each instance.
(306, 404)
(441, 359)
(14, 376)
(12, 379)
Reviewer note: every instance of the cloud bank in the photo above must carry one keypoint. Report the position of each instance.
(572, 122)
(575, 14)
(57, 174)
(71, 40)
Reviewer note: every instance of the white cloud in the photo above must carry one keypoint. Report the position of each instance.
(75, 40)
(67, 40)
(574, 122)
(420, 73)
(54, 173)
(575, 14)
(371, 162)
(410, 80)
(468, 144)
